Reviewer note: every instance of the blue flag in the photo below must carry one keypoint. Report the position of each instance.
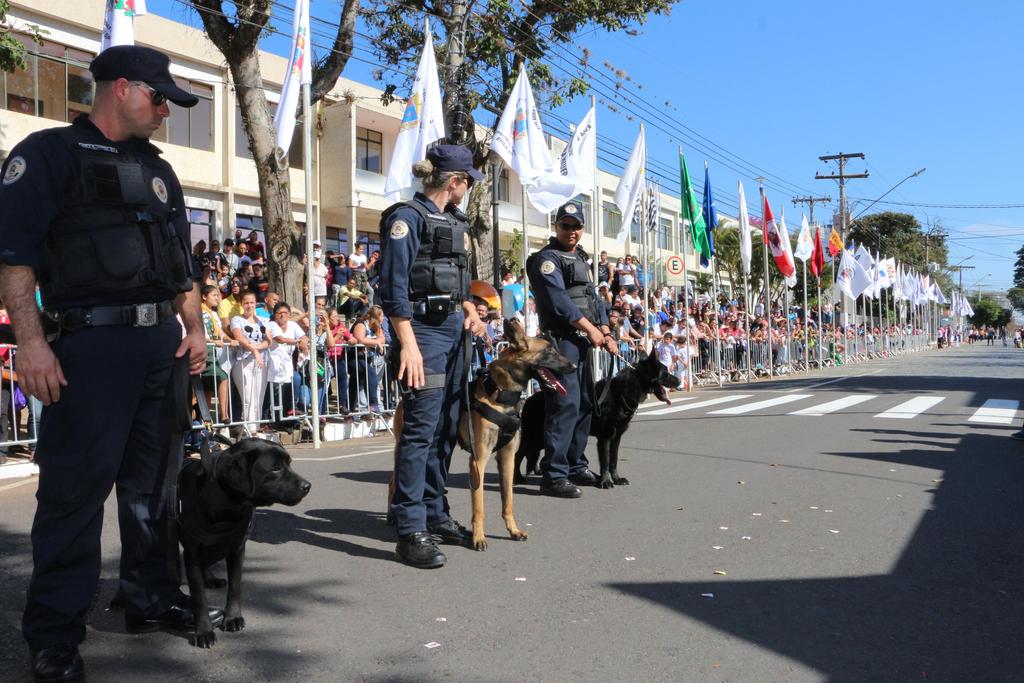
(710, 217)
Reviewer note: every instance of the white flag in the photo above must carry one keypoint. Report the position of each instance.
(746, 248)
(787, 248)
(422, 122)
(939, 297)
(118, 22)
(805, 241)
(575, 174)
(299, 72)
(632, 184)
(519, 138)
(882, 278)
(853, 280)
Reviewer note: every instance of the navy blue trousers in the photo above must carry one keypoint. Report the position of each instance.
(429, 428)
(109, 427)
(567, 418)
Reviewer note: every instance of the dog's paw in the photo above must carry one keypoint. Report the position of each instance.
(480, 543)
(204, 640)
(621, 481)
(518, 536)
(606, 482)
(234, 625)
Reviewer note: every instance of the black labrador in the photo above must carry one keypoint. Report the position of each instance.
(217, 498)
(615, 405)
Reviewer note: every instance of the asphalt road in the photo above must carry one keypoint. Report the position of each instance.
(851, 546)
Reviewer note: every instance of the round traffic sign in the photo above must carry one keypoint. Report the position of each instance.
(674, 265)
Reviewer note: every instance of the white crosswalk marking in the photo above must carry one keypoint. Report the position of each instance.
(699, 404)
(759, 405)
(833, 406)
(912, 408)
(996, 411)
(655, 403)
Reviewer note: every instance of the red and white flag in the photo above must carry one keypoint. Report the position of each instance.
(118, 22)
(780, 252)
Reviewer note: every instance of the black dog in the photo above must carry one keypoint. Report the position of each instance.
(615, 407)
(217, 498)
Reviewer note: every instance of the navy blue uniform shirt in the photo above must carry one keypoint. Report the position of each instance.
(43, 169)
(399, 244)
(549, 287)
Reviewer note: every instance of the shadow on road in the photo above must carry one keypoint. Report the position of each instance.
(277, 527)
(950, 610)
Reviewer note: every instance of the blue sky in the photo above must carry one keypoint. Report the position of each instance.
(775, 85)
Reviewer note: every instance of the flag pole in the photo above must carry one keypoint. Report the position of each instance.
(714, 287)
(525, 254)
(807, 349)
(595, 210)
(307, 156)
(767, 292)
(686, 287)
(495, 231)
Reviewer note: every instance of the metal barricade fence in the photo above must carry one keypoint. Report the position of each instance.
(355, 382)
(19, 414)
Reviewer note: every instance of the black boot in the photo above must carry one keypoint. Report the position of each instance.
(449, 531)
(58, 663)
(419, 550)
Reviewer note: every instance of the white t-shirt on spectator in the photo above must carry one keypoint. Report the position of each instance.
(319, 280)
(631, 300)
(666, 353)
(359, 261)
(254, 332)
(281, 367)
(627, 274)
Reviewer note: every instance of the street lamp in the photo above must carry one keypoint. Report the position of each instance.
(977, 284)
(912, 175)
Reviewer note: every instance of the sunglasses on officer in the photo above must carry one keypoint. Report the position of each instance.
(568, 226)
(155, 96)
(469, 180)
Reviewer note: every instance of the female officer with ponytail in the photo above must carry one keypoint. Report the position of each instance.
(424, 287)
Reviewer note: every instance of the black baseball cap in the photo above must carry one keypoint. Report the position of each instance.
(137, 63)
(453, 158)
(570, 210)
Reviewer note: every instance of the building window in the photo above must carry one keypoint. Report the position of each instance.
(55, 84)
(200, 225)
(244, 225)
(189, 127)
(611, 219)
(504, 191)
(243, 150)
(369, 149)
(665, 233)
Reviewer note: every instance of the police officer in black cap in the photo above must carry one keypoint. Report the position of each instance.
(568, 310)
(424, 289)
(92, 214)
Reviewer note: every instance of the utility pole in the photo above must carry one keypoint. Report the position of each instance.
(811, 201)
(842, 177)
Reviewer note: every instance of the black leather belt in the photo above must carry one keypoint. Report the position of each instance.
(135, 315)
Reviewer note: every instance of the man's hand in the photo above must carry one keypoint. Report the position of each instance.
(39, 372)
(596, 337)
(410, 366)
(473, 323)
(194, 344)
(611, 345)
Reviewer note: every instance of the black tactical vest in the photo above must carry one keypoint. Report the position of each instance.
(112, 238)
(579, 286)
(441, 266)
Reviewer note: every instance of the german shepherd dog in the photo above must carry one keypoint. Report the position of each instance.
(615, 405)
(495, 404)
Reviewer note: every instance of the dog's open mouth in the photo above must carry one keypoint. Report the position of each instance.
(662, 394)
(550, 381)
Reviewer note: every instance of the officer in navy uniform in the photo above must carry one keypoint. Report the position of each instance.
(92, 214)
(424, 290)
(568, 310)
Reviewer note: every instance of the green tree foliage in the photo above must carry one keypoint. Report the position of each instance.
(988, 312)
(1016, 297)
(1018, 269)
(12, 51)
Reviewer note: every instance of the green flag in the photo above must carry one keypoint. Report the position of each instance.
(692, 212)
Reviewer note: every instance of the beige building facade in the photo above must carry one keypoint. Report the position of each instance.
(354, 137)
